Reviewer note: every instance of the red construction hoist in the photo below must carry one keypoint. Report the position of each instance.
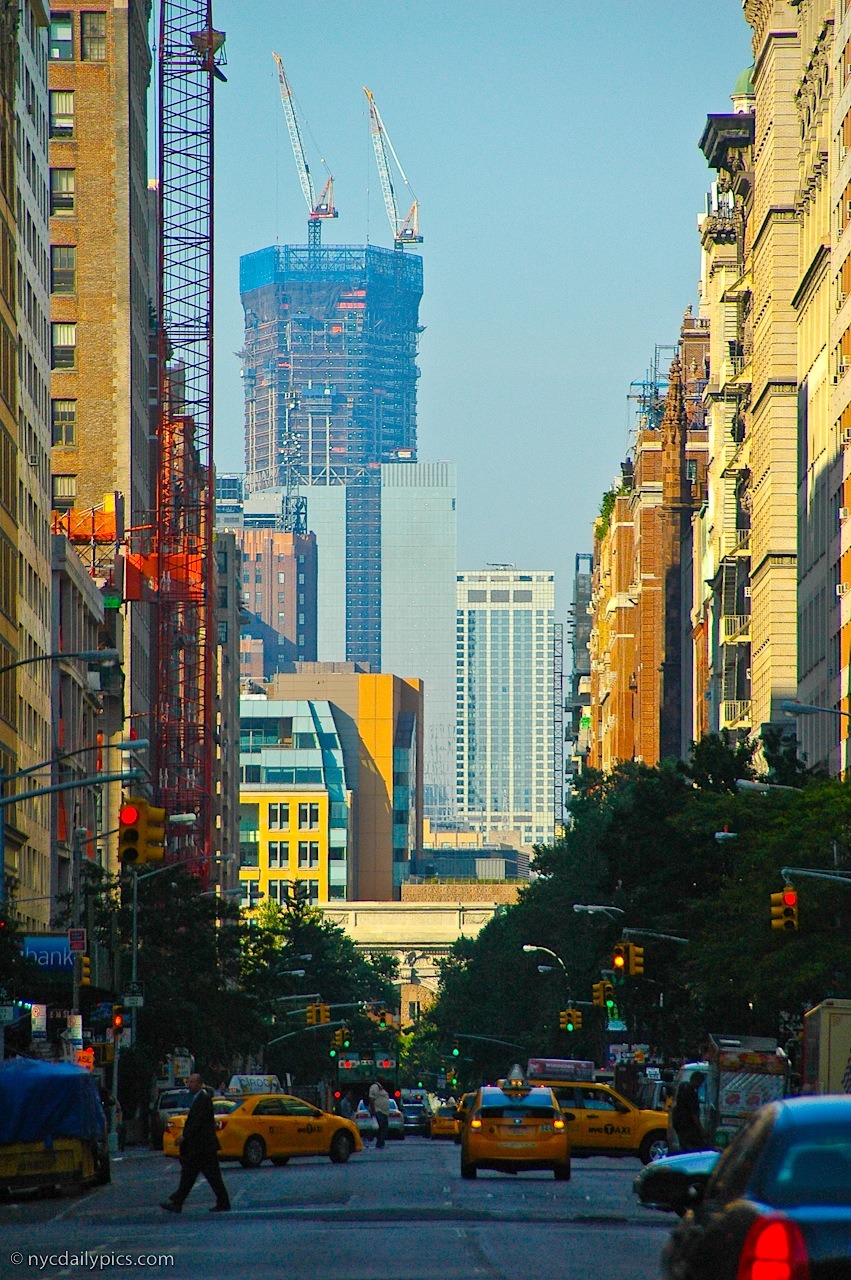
(189, 56)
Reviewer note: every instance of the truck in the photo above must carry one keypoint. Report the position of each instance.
(53, 1130)
(744, 1073)
(827, 1048)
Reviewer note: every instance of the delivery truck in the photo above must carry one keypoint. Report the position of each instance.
(744, 1073)
(827, 1048)
(52, 1127)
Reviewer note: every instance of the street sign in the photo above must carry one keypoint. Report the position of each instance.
(133, 989)
(7, 1013)
(38, 1017)
(77, 941)
(132, 1000)
(74, 1033)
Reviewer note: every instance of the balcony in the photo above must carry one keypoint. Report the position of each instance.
(736, 542)
(736, 628)
(736, 714)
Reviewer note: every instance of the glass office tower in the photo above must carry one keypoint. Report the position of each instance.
(505, 632)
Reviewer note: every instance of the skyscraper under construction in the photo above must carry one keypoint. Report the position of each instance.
(330, 380)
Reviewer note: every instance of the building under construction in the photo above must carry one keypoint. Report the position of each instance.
(330, 378)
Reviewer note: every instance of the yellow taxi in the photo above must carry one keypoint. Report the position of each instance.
(601, 1122)
(444, 1123)
(278, 1126)
(174, 1124)
(462, 1112)
(515, 1126)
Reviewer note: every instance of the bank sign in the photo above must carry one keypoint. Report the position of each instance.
(49, 951)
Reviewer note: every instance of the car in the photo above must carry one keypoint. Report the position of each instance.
(396, 1125)
(416, 1118)
(277, 1126)
(174, 1124)
(366, 1123)
(655, 1095)
(776, 1204)
(170, 1102)
(445, 1123)
(513, 1127)
(462, 1111)
(688, 1173)
(602, 1122)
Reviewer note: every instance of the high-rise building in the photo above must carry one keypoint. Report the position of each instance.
(278, 577)
(33, 472)
(330, 380)
(578, 722)
(504, 699)
(98, 75)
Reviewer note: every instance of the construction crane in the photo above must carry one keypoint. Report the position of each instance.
(405, 230)
(324, 206)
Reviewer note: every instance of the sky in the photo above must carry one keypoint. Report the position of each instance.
(552, 145)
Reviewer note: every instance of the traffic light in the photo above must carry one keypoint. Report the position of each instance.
(784, 909)
(636, 960)
(129, 832)
(323, 1012)
(85, 971)
(562, 1021)
(338, 1039)
(620, 958)
(117, 1020)
(382, 1020)
(598, 994)
(456, 1052)
(151, 833)
(311, 1013)
(345, 1037)
(609, 995)
(577, 1019)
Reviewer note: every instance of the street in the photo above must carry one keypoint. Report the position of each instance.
(399, 1214)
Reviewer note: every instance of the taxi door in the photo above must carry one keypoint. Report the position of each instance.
(269, 1120)
(571, 1101)
(610, 1124)
(309, 1128)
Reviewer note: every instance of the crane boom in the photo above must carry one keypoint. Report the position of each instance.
(324, 206)
(405, 230)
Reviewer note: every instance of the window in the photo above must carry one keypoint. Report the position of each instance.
(63, 268)
(336, 854)
(308, 855)
(63, 346)
(93, 37)
(313, 890)
(64, 492)
(305, 741)
(61, 38)
(279, 817)
(64, 419)
(279, 853)
(61, 113)
(62, 191)
(223, 633)
(308, 817)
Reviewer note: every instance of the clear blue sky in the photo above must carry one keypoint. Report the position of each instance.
(553, 147)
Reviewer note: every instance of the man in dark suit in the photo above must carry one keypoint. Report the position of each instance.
(199, 1148)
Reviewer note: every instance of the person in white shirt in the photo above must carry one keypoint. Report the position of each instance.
(379, 1105)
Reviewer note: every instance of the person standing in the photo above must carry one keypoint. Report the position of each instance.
(346, 1106)
(685, 1116)
(379, 1105)
(199, 1148)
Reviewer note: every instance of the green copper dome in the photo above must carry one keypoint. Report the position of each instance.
(744, 85)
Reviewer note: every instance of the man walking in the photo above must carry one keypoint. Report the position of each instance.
(685, 1116)
(199, 1148)
(379, 1103)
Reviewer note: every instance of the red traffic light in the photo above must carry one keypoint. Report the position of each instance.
(790, 898)
(129, 815)
(337, 1094)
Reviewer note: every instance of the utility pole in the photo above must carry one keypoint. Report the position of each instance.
(79, 834)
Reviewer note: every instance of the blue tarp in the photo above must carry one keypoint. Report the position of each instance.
(40, 1101)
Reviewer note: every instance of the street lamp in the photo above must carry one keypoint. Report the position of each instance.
(528, 948)
(598, 909)
(103, 657)
(792, 707)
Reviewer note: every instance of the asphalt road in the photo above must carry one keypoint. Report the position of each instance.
(403, 1213)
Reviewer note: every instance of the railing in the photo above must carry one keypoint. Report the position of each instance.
(736, 712)
(735, 623)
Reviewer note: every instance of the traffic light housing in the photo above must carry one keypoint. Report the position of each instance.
(784, 909)
(152, 834)
(311, 1014)
(117, 1020)
(382, 1020)
(620, 959)
(129, 831)
(609, 995)
(598, 994)
(636, 960)
(345, 1038)
(85, 971)
(338, 1039)
(323, 1012)
(577, 1019)
(563, 1020)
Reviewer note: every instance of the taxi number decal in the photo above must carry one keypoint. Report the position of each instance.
(309, 1128)
(609, 1129)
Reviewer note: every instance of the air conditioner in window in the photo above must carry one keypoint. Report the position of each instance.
(33, 459)
(747, 593)
(844, 513)
(747, 673)
(842, 588)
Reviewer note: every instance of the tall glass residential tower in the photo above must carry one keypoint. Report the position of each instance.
(505, 634)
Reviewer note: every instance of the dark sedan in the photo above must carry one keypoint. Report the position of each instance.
(777, 1205)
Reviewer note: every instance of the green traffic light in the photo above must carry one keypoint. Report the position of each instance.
(332, 1053)
(456, 1052)
(570, 1026)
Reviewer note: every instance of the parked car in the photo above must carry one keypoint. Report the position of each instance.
(776, 1203)
(170, 1102)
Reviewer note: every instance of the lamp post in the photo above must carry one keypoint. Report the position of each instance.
(792, 707)
(528, 947)
(103, 657)
(598, 909)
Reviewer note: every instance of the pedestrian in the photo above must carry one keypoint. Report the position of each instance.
(346, 1106)
(199, 1149)
(685, 1116)
(379, 1105)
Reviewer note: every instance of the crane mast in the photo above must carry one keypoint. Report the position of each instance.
(405, 230)
(324, 206)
